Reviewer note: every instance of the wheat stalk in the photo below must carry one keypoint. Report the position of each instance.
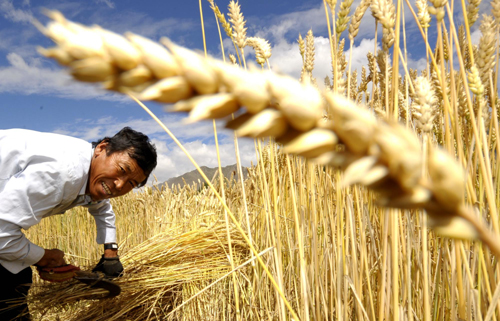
(383, 156)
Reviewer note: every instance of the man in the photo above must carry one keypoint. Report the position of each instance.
(43, 174)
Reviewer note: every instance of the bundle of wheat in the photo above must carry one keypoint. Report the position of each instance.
(152, 286)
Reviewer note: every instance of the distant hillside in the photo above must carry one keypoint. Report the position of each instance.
(194, 176)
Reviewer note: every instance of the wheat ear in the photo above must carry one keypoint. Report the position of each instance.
(239, 29)
(356, 18)
(309, 54)
(495, 9)
(262, 49)
(383, 156)
(423, 14)
(438, 9)
(222, 19)
(487, 47)
(472, 11)
(343, 17)
(424, 104)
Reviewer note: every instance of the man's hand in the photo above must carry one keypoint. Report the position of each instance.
(109, 264)
(52, 258)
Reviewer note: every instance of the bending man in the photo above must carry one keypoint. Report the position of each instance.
(44, 174)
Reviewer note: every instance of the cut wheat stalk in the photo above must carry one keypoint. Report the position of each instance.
(155, 273)
(381, 155)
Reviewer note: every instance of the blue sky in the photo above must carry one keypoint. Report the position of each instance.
(35, 93)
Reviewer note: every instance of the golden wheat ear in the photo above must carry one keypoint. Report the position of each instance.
(385, 157)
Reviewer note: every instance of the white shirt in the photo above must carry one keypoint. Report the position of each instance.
(43, 174)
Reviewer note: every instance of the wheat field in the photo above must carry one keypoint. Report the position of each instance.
(374, 197)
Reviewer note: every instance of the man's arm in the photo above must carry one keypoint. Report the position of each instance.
(17, 252)
(104, 221)
(24, 199)
(106, 233)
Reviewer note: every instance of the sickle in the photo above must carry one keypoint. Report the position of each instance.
(97, 281)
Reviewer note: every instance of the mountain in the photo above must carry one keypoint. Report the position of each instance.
(194, 176)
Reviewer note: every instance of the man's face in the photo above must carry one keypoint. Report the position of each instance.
(114, 175)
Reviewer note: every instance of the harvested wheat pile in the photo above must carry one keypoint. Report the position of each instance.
(155, 273)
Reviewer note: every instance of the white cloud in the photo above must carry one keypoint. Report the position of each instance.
(31, 77)
(11, 13)
(475, 36)
(286, 59)
(420, 64)
(277, 27)
(109, 3)
(359, 52)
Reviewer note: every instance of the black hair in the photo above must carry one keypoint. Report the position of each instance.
(138, 147)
